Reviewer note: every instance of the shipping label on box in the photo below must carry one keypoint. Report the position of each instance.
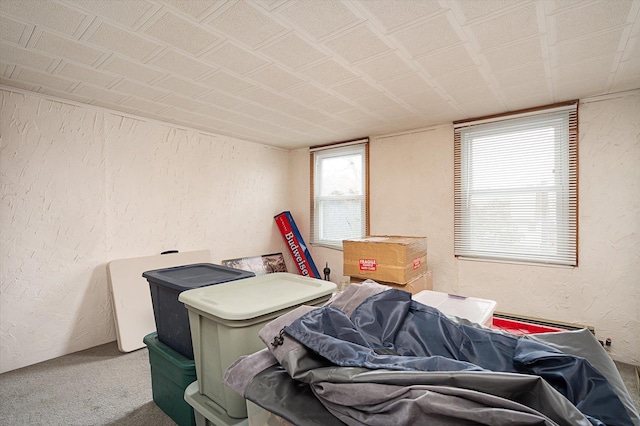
(394, 259)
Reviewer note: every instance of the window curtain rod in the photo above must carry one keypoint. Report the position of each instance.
(502, 117)
(338, 145)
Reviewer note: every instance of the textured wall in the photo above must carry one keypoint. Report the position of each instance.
(82, 187)
(412, 194)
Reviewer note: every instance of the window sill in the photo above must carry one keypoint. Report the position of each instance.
(515, 262)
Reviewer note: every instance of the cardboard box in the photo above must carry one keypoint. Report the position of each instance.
(423, 282)
(392, 259)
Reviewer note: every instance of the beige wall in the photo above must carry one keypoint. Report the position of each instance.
(412, 194)
(81, 187)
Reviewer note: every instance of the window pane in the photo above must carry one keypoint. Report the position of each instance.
(340, 219)
(341, 175)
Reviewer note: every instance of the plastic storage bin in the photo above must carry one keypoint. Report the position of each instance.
(475, 310)
(225, 320)
(207, 412)
(172, 319)
(171, 373)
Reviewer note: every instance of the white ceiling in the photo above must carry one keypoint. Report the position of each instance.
(296, 73)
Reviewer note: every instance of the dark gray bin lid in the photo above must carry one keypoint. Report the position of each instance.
(187, 277)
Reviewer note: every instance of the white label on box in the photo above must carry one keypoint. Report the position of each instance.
(368, 265)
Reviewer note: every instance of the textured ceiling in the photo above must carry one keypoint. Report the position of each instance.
(298, 73)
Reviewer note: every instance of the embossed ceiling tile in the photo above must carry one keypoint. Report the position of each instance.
(515, 55)
(427, 105)
(253, 110)
(629, 69)
(222, 100)
(22, 85)
(355, 115)
(357, 44)
(487, 106)
(68, 49)
(195, 8)
(125, 12)
(506, 28)
(293, 52)
(129, 69)
(127, 43)
(473, 94)
(356, 89)
(581, 88)
(450, 60)
(178, 101)
(587, 48)
(182, 34)
(333, 105)
(477, 9)
(523, 75)
(376, 102)
(265, 97)
(180, 64)
(19, 56)
(178, 85)
(527, 90)
(11, 30)
(99, 94)
(275, 77)
(234, 58)
(632, 50)
(392, 14)
(42, 79)
(47, 14)
(139, 90)
(428, 36)
(307, 93)
(385, 67)
(90, 75)
(144, 105)
(584, 70)
(407, 85)
(318, 18)
(593, 17)
(518, 102)
(462, 80)
(395, 112)
(226, 82)
(328, 73)
(247, 24)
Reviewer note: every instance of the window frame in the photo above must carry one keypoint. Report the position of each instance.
(313, 208)
(566, 232)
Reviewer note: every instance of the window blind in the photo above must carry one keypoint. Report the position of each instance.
(516, 187)
(339, 193)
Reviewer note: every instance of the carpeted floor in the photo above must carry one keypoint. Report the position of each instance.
(102, 386)
(97, 386)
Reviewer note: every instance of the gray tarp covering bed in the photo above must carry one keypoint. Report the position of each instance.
(374, 357)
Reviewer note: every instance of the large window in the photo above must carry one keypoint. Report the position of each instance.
(339, 193)
(516, 187)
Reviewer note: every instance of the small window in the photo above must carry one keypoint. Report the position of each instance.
(516, 187)
(339, 193)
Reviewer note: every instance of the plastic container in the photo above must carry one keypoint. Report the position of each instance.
(473, 309)
(225, 320)
(207, 412)
(171, 374)
(172, 319)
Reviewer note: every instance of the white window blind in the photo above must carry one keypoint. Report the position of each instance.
(339, 194)
(516, 187)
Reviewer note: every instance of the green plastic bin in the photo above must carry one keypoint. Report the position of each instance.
(171, 374)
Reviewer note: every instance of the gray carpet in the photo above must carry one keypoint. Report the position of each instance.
(102, 386)
(97, 386)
